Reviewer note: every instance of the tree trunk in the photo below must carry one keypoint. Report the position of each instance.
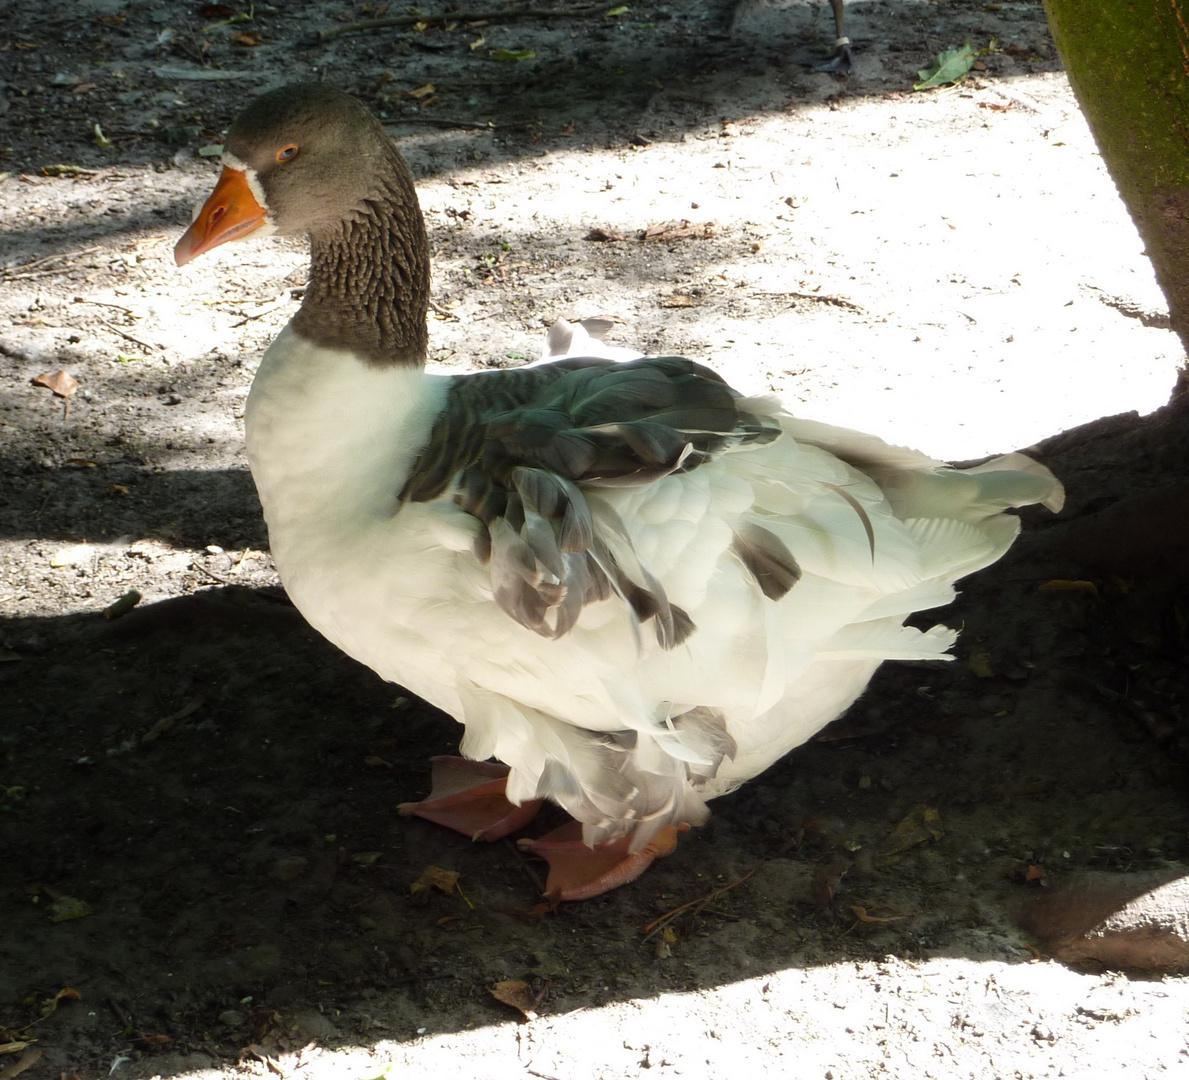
(1128, 62)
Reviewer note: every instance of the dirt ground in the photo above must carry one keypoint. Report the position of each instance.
(198, 837)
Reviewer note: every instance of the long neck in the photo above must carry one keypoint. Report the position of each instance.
(369, 278)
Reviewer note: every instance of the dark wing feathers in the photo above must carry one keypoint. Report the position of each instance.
(767, 559)
(517, 449)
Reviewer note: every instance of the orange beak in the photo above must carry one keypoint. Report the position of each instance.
(231, 212)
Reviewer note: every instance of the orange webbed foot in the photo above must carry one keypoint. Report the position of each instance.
(578, 872)
(469, 797)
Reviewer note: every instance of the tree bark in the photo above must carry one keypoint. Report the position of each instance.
(1128, 63)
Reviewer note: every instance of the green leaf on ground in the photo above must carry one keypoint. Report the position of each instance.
(950, 66)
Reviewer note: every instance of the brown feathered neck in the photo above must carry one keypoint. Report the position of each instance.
(368, 290)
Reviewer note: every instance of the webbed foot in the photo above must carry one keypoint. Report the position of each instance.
(468, 796)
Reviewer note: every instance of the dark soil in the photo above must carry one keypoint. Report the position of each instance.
(198, 833)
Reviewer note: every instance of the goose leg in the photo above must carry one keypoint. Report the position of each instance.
(578, 872)
(468, 796)
(842, 60)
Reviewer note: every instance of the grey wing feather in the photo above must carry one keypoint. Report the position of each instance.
(519, 450)
(767, 559)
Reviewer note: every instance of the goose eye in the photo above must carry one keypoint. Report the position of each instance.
(287, 153)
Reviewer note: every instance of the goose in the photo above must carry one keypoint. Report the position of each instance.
(634, 586)
(841, 59)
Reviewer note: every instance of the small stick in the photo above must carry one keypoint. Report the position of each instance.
(506, 15)
(445, 121)
(819, 298)
(129, 337)
(659, 924)
(529, 872)
(211, 574)
(281, 302)
(101, 303)
(29, 269)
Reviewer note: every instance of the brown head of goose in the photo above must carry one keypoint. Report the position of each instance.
(310, 160)
(635, 587)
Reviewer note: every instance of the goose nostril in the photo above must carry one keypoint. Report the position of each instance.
(217, 214)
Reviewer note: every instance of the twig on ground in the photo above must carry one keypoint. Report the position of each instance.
(268, 310)
(820, 298)
(657, 925)
(101, 303)
(523, 863)
(450, 122)
(494, 15)
(211, 574)
(128, 337)
(29, 269)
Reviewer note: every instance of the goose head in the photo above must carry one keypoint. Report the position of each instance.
(309, 159)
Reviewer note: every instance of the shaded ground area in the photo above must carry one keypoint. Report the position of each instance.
(197, 800)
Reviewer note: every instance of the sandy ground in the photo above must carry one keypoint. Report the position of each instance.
(951, 270)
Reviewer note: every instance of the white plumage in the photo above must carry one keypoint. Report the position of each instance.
(633, 586)
(330, 443)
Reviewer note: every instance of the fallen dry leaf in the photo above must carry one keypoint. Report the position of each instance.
(66, 170)
(979, 662)
(679, 230)
(1028, 874)
(65, 994)
(144, 1040)
(434, 877)
(604, 235)
(31, 1057)
(860, 913)
(262, 1055)
(60, 383)
(166, 722)
(922, 825)
(680, 300)
(247, 40)
(518, 994)
(67, 908)
(827, 879)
